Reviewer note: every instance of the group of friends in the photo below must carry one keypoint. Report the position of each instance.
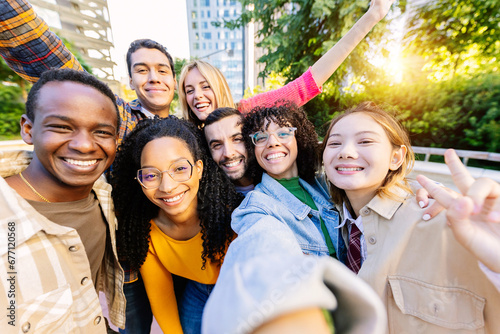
(232, 219)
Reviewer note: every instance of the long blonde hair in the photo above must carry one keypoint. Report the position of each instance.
(397, 135)
(215, 79)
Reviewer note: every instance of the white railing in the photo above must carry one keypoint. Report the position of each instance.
(465, 155)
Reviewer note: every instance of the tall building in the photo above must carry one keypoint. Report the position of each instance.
(217, 45)
(85, 24)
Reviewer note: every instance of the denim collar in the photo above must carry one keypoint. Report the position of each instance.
(272, 188)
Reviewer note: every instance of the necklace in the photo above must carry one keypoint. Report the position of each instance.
(31, 187)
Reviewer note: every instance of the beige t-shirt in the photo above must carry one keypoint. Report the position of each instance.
(85, 216)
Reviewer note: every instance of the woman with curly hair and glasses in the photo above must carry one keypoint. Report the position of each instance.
(174, 207)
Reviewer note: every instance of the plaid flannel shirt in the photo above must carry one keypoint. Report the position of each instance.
(30, 48)
(46, 272)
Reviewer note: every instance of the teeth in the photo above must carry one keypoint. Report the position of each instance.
(81, 163)
(275, 156)
(173, 199)
(349, 169)
(202, 105)
(232, 164)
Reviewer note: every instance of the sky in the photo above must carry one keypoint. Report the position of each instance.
(164, 21)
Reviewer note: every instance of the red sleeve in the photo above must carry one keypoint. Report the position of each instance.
(299, 91)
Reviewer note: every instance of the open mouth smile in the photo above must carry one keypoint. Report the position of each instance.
(275, 156)
(232, 163)
(349, 169)
(173, 199)
(81, 163)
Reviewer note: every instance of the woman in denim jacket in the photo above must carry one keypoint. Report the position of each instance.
(265, 274)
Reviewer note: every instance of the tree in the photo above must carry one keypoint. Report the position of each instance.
(449, 32)
(294, 34)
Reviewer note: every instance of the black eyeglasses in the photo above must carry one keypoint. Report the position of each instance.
(283, 135)
(151, 178)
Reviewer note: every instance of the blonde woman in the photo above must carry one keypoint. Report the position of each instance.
(203, 88)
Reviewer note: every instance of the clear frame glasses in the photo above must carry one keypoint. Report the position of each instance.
(151, 178)
(283, 135)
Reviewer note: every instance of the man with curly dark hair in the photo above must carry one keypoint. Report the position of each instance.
(59, 215)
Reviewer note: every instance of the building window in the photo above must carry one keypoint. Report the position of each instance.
(202, 14)
(226, 13)
(205, 3)
(195, 3)
(195, 25)
(196, 36)
(208, 13)
(206, 35)
(196, 46)
(193, 14)
(204, 25)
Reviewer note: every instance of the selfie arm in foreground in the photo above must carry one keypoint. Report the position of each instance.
(473, 217)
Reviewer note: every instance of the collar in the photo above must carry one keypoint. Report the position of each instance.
(147, 113)
(347, 218)
(135, 105)
(272, 188)
(14, 207)
(387, 207)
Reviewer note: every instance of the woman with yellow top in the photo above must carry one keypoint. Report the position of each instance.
(174, 207)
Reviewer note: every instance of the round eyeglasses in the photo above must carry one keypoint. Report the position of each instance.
(151, 178)
(283, 135)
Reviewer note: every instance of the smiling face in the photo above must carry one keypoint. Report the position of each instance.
(74, 136)
(358, 156)
(279, 160)
(177, 200)
(199, 95)
(228, 148)
(153, 80)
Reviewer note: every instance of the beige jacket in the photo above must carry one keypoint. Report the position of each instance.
(428, 282)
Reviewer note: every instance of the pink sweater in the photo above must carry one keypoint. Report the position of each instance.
(299, 91)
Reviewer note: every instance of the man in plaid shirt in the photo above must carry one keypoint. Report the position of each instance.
(57, 218)
(30, 48)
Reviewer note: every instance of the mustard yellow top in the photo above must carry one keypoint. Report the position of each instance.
(168, 256)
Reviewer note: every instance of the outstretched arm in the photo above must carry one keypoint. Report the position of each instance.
(473, 217)
(330, 61)
(308, 85)
(27, 44)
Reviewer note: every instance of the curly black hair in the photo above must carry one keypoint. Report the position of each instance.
(217, 197)
(286, 113)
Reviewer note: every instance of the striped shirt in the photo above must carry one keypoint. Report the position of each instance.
(45, 277)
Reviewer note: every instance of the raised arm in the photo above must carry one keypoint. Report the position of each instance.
(308, 85)
(27, 44)
(474, 217)
(330, 61)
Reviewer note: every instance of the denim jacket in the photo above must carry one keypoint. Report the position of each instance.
(271, 198)
(266, 273)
